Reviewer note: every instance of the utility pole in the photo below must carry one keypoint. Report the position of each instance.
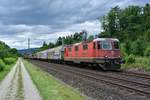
(84, 35)
(63, 42)
(28, 43)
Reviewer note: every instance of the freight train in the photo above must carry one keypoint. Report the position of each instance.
(101, 52)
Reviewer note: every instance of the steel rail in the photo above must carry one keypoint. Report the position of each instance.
(104, 80)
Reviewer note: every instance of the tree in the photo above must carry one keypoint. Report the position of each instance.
(146, 35)
(127, 47)
(44, 44)
(146, 17)
(77, 37)
(111, 22)
(59, 41)
(51, 45)
(14, 52)
(6, 51)
(138, 47)
(90, 38)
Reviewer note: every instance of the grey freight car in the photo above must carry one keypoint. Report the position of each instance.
(54, 53)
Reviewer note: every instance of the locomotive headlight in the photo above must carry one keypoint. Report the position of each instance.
(106, 56)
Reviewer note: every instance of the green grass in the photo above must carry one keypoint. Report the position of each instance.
(49, 87)
(4, 72)
(140, 62)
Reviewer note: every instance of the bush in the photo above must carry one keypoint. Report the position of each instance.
(9, 60)
(147, 52)
(138, 47)
(127, 47)
(2, 64)
(130, 59)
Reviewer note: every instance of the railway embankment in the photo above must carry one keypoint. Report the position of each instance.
(101, 85)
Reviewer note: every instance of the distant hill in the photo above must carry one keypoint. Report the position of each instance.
(27, 51)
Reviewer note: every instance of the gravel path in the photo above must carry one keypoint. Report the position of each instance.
(17, 85)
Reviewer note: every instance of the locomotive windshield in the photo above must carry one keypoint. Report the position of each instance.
(106, 45)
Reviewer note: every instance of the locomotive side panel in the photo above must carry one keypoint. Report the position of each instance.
(86, 52)
(82, 52)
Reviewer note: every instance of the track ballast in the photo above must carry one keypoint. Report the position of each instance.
(126, 82)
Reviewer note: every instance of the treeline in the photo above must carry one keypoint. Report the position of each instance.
(71, 39)
(7, 55)
(131, 26)
(77, 37)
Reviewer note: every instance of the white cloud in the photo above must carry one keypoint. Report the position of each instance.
(40, 33)
(93, 27)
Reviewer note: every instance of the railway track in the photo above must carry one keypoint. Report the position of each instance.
(146, 76)
(109, 76)
(131, 85)
(125, 83)
(124, 76)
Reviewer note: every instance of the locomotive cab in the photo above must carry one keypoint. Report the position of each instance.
(107, 52)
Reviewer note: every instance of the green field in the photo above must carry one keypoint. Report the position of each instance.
(49, 87)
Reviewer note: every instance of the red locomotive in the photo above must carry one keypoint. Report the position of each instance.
(103, 52)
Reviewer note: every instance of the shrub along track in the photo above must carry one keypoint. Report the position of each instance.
(125, 86)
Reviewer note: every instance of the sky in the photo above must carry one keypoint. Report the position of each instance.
(46, 20)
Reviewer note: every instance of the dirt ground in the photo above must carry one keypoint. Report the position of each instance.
(17, 85)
